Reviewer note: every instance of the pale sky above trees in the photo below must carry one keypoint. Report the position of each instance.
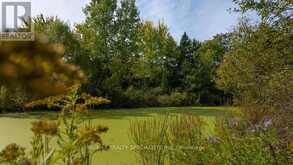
(199, 18)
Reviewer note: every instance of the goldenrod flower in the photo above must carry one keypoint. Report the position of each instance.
(11, 152)
(45, 127)
(90, 135)
(81, 108)
(77, 162)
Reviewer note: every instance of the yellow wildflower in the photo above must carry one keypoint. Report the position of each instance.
(45, 127)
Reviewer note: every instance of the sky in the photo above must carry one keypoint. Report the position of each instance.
(201, 19)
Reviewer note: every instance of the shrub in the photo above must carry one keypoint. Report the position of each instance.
(12, 99)
(179, 99)
(157, 97)
(134, 97)
(150, 96)
(164, 100)
(174, 99)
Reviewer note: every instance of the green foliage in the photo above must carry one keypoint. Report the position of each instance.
(174, 99)
(134, 97)
(156, 97)
(123, 54)
(80, 140)
(257, 68)
(254, 65)
(150, 96)
(277, 12)
(57, 31)
(12, 99)
(97, 41)
(182, 140)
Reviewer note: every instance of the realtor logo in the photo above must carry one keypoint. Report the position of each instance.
(16, 22)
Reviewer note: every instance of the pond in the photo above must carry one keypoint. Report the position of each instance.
(15, 128)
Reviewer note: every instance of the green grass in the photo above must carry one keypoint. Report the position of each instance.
(15, 128)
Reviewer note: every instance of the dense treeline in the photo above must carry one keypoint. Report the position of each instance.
(134, 62)
(137, 63)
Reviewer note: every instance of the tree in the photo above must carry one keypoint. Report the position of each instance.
(57, 31)
(186, 47)
(185, 61)
(250, 67)
(189, 63)
(120, 53)
(275, 12)
(159, 51)
(259, 55)
(125, 50)
(211, 54)
(96, 37)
